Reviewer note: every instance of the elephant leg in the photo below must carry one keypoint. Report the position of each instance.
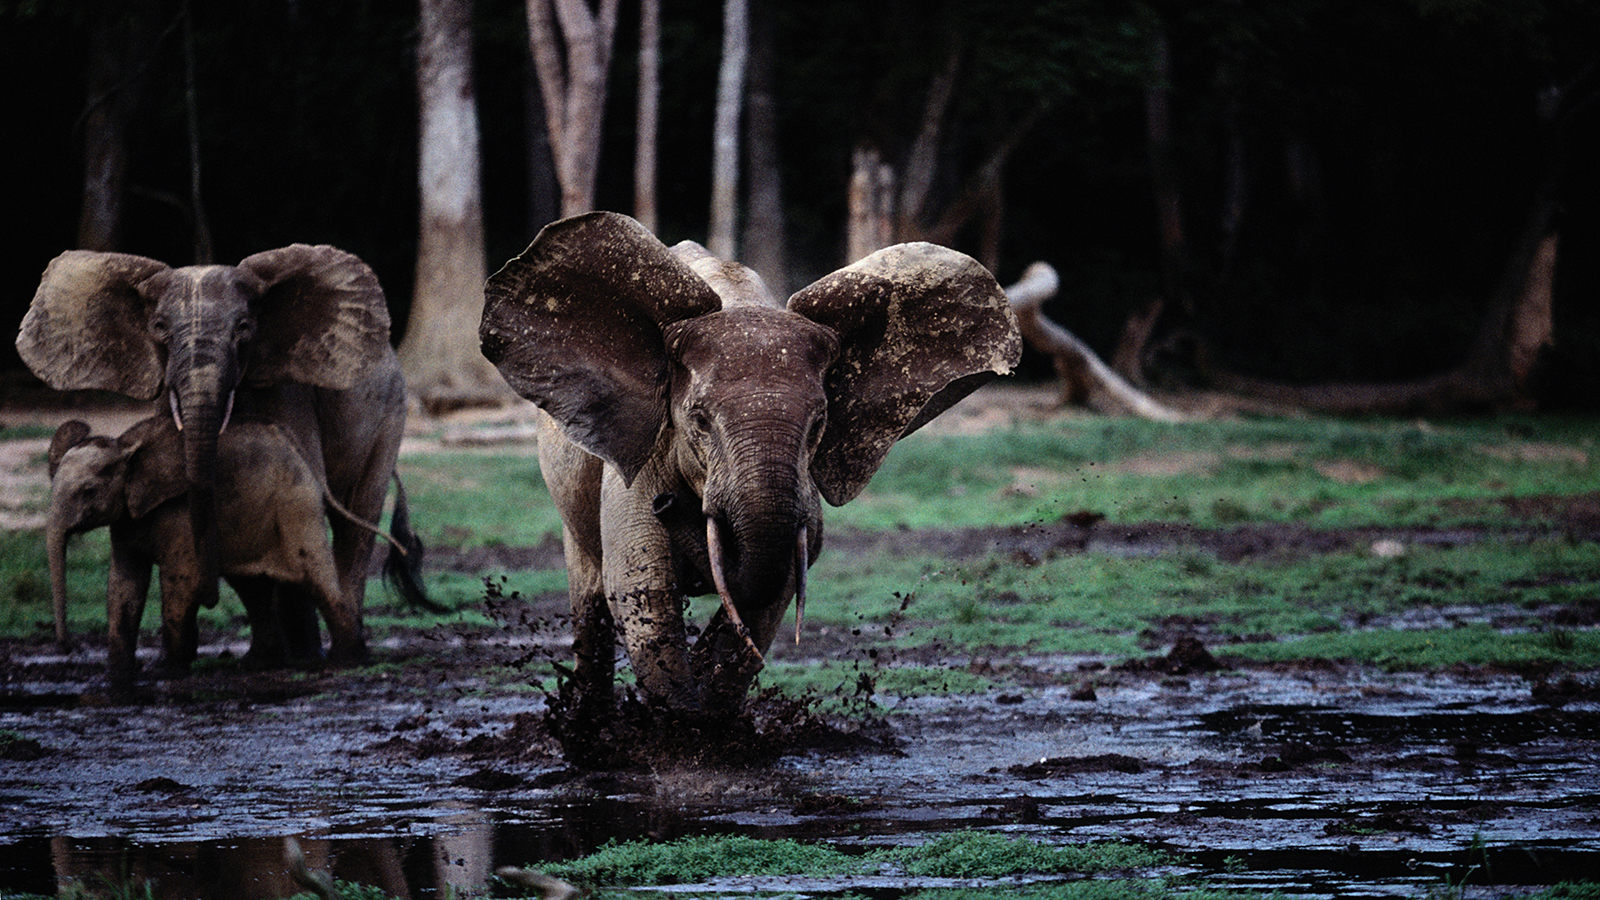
(180, 630)
(641, 588)
(722, 661)
(359, 431)
(594, 637)
(127, 584)
(259, 596)
(297, 607)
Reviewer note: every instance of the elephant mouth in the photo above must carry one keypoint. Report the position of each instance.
(177, 411)
(719, 577)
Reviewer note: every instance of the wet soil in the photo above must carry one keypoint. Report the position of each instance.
(422, 773)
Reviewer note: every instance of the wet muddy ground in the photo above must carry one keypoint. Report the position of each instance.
(435, 767)
(425, 772)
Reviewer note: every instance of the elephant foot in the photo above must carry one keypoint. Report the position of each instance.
(169, 668)
(260, 658)
(346, 656)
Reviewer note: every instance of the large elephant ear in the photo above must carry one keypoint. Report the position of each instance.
(920, 326)
(88, 327)
(155, 464)
(574, 324)
(321, 320)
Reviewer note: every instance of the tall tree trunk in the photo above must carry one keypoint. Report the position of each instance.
(765, 237)
(544, 189)
(725, 137)
(112, 97)
(1133, 346)
(644, 152)
(573, 85)
(191, 107)
(440, 352)
(923, 162)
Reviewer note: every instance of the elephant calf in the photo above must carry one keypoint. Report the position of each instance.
(270, 509)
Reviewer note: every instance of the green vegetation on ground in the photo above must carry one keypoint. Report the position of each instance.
(1431, 605)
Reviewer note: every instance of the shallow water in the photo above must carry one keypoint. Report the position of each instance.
(1319, 782)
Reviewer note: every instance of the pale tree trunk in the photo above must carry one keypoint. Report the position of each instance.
(725, 136)
(440, 352)
(573, 85)
(1085, 379)
(871, 204)
(644, 154)
(765, 237)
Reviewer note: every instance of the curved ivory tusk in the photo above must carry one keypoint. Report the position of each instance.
(177, 417)
(802, 555)
(227, 414)
(720, 579)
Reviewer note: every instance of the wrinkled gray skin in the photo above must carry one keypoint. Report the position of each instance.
(695, 426)
(269, 504)
(297, 336)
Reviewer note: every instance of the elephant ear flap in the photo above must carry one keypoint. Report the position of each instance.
(920, 326)
(321, 320)
(69, 434)
(88, 326)
(574, 324)
(155, 464)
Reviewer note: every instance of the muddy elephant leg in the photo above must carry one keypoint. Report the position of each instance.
(127, 583)
(302, 632)
(723, 663)
(641, 589)
(259, 596)
(594, 638)
(180, 632)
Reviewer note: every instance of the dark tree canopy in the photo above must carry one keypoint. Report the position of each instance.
(1352, 179)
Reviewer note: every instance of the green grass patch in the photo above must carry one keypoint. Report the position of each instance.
(964, 854)
(1471, 645)
(1321, 472)
(477, 499)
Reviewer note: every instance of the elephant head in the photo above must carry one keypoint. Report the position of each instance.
(733, 413)
(96, 480)
(313, 315)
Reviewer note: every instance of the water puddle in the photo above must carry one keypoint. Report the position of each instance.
(1316, 783)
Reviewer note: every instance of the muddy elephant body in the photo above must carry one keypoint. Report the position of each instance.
(694, 427)
(271, 507)
(297, 337)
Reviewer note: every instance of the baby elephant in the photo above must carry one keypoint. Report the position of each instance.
(270, 511)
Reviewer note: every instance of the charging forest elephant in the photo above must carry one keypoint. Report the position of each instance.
(270, 509)
(694, 422)
(297, 336)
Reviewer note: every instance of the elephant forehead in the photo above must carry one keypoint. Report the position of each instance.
(753, 342)
(202, 290)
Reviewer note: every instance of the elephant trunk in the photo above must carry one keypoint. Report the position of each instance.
(55, 545)
(202, 401)
(758, 538)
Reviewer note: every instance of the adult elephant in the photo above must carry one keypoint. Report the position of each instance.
(695, 426)
(297, 336)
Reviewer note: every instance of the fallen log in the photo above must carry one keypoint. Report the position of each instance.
(1085, 379)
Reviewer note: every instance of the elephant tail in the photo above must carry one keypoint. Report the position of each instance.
(403, 566)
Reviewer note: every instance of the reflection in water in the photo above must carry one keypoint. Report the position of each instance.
(453, 862)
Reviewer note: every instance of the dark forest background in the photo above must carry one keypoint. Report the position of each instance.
(1353, 177)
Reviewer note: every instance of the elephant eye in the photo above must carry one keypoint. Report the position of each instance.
(700, 421)
(818, 425)
(244, 330)
(160, 328)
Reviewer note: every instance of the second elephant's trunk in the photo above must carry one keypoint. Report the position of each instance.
(55, 545)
